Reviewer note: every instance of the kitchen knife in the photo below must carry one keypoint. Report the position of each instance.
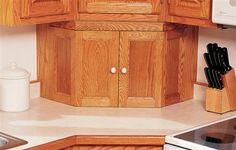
(207, 60)
(226, 58)
(214, 46)
(222, 62)
(208, 77)
(214, 78)
(210, 52)
(218, 79)
(220, 67)
(211, 78)
(217, 65)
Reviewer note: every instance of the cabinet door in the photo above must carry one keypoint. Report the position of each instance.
(190, 8)
(60, 65)
(39, 8)
(140, 78)
(97, 62)
(120, 6)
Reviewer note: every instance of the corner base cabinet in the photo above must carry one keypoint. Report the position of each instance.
(119, 64)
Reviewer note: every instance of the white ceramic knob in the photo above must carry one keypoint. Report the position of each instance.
(113, 70)
(124, 70)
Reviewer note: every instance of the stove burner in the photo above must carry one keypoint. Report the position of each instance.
(219, 138)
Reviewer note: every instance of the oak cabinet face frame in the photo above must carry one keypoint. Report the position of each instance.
(119, 6)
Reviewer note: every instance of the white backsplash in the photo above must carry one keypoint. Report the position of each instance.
(224, 38)
(18, 44)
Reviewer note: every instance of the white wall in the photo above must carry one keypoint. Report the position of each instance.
(224, 38)
(18, 44)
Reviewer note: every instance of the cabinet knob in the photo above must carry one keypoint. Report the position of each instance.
(124, 70)
(113, 70)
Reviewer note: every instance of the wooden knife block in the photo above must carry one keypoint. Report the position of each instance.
(221, 101)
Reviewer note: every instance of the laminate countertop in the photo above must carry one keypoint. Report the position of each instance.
(47, 120)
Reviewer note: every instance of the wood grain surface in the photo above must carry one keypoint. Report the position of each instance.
(23, 12)
(141, 54)
(190, 12)
(114, 26)
(105, 142)
(120, 6)
(97, 54)
(160, 66)
(217, 100)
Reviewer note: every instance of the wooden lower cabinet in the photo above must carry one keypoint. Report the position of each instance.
(125, 66)
(105, 143)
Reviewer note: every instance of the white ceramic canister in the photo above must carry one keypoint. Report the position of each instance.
(14, 89)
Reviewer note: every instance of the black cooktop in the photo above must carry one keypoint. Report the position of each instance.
(220, 136)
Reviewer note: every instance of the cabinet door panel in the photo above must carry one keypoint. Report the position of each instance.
(140, 53)
(120, 6)
(39, 8)
(190, 8)
(61, 66)
(97, 54)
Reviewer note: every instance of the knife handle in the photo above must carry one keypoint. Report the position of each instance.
(218, 79)
(223, 63)
(207, 77)
(207, 60)
(226, 57)
(217, 84)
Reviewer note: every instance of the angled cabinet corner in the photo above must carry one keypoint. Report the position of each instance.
(119, 65)
(55, 63)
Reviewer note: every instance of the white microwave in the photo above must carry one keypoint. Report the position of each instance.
(224, 12)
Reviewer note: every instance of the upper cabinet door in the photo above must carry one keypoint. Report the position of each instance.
(120, 6)
(40, 8)
(190, 8)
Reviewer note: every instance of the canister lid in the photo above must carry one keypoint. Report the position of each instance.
(13, 72)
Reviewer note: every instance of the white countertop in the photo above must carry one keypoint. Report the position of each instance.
(47, 121)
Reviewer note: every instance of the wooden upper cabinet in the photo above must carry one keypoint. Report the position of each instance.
(22, 12)
(191, 12)
(190, 8)
(39, 8)
(120, 6)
